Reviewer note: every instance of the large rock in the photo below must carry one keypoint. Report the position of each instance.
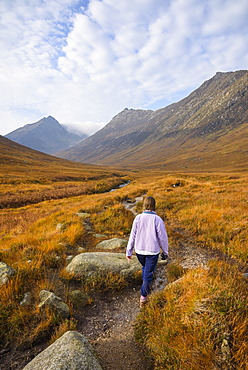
(100, 264)
(72, 351)
(5, 273)
(54, 303)
(111, 244)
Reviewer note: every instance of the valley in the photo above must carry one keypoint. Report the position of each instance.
(205, 211)
(55, 212)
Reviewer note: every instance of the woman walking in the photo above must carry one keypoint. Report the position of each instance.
(147, 236)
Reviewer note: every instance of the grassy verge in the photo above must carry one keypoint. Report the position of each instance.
(199, 322)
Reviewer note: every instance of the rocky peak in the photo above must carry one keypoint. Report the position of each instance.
(46, 135)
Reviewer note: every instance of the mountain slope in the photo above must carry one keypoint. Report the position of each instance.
(20, 165)
(47, 135)
(206, 130)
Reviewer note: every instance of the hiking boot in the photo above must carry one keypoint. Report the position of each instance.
(143, 301)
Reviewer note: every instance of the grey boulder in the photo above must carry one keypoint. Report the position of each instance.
(111, 244)
(5, 273)
(54, 303)
(95, 264)
(72, 351)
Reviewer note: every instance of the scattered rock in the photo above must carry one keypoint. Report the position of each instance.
(83, 214)
(26, 300)
(81, 249)
(99, 236)
(60, 227)
(72, 351)
(102, 263)
(130, 204)
(87, 227)
(6, 272)
(225, 348)
(111, 244)
(54, 303)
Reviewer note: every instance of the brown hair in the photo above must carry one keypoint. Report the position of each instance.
(149, 204)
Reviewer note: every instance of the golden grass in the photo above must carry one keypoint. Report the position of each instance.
(36, 242)
(114, 220)
(212, 207)
(37, 238)
(198, 322)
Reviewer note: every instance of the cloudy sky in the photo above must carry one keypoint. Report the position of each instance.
(82, 62)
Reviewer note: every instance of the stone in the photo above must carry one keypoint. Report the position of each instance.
(111, 244)
(81, 249)
(60, 227)
(6, 272)
(54, 303)
(99, 236)
(72, 351)
(83, 214)
(87, 227)
(26, 301)
(95, 264)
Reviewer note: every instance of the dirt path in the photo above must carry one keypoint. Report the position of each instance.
(108, 325)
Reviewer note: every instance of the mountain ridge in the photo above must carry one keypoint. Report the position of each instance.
(178, 135)
(46, 135)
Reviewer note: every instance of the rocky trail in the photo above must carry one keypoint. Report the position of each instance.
(108, 323)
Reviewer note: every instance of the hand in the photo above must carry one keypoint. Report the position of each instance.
(164, 256)
(128, 258)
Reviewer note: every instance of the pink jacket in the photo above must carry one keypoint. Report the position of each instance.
(148, 234)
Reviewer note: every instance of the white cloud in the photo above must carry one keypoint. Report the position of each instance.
(84, 61)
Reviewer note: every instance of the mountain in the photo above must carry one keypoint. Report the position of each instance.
(47, 135)
(206, 130)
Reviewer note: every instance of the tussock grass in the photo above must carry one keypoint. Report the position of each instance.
(174, 272)
(114, 220)
(212, 207)
(198, 322)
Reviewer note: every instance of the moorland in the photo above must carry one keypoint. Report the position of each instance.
(199, 322)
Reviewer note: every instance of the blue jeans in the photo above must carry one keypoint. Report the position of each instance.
(149, 264)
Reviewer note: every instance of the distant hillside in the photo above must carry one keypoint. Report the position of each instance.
(20, 164)
(47, 135)
(27, 163)
(28, 176)
(206, 130)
